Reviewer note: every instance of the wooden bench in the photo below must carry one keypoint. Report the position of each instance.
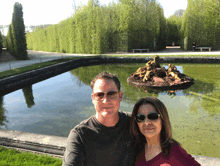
(140, 50)
(203, 48)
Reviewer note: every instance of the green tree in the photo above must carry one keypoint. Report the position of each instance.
(173, 30)
(179, 12)
(9, 41)
(18, 33)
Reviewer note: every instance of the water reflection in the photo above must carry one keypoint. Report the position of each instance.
(3, 119)
(28, 94)
(56, 105)
(205, 92)
(205, 82)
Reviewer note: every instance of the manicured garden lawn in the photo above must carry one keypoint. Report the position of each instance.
(11, 157)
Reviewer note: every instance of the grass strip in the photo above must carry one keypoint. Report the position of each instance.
(12, 157)
(16, 71)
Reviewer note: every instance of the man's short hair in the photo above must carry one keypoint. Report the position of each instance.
(108, 76)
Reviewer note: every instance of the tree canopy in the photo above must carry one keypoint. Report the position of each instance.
(16, 40)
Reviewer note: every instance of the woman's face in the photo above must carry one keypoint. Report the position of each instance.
(149, 128)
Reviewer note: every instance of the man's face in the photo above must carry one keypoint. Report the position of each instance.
(106, 106)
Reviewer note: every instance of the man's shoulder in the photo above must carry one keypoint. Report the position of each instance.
(125, 117)
(91, 123)
(85, 123)
(124, 114)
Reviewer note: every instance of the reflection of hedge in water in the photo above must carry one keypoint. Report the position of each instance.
(203, 76)
(204, 87)
(28, 95)
(86, 74)
(2, 112)
(201, 87)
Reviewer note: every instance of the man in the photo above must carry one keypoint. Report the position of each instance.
(193, 46)
(103, 139)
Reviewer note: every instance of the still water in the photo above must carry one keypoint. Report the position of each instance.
(56, 105)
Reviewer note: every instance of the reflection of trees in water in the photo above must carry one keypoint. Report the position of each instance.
(131, 94)
(199, 87)
(208, 105)
(2, 113)
(205, 91)
(205, 83)
(74, 78)
(28, 95)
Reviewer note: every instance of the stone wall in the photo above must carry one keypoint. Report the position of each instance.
(19, 81)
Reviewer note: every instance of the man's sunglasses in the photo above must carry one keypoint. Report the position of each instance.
(110, 95)
(151, 116)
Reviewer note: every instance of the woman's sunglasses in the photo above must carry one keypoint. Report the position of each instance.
(151, 116)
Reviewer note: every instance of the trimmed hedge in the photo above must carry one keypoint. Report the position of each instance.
(201, 24)
(97, 29)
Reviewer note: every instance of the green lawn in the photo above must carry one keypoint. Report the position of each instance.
(32, 67)
(11, 157)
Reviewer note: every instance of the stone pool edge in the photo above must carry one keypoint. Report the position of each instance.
(55, 145)
(22, 80)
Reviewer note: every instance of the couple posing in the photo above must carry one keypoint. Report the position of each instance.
(113, 138)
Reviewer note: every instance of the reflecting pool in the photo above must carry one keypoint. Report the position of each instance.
(56, 105)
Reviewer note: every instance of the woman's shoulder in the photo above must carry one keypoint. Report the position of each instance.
(176, 148)
(180, 154)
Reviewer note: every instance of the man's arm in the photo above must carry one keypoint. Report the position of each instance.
(74, 154)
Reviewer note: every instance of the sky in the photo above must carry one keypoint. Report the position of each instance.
(40, 12)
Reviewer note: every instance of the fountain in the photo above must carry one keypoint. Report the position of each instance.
(153, 77)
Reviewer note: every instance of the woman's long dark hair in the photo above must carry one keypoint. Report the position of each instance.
(165, 134)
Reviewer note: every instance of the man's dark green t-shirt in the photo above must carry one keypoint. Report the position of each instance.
(92, 144)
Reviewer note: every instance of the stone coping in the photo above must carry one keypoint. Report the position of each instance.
(55, 145)
(22, 80)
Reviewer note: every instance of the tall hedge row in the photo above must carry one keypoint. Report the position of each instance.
(16, 39)
(174, 24)
(201, 24)
(97, 29)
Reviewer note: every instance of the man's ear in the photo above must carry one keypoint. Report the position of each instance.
(120, 95)
(92, 96)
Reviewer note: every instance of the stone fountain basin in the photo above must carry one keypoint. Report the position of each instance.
(165, 83)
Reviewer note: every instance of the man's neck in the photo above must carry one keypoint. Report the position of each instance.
(108, 122)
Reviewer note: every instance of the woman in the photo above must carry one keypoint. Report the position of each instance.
(151, 128)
